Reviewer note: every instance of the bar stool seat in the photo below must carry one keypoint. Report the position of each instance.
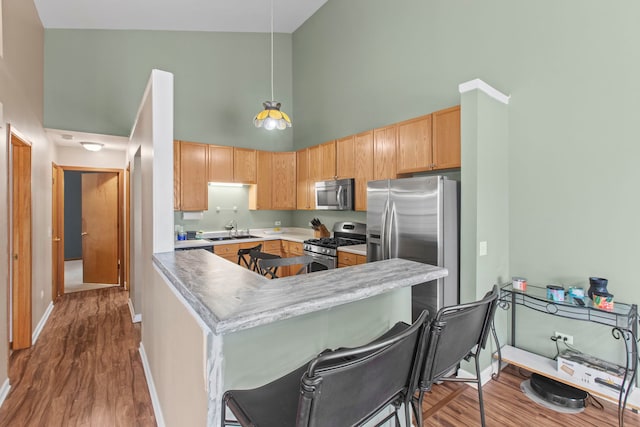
(242, 253)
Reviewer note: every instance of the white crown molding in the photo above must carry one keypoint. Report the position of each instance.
(478, 84)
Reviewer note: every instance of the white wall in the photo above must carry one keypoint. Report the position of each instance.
(107, 159)
(21, 94)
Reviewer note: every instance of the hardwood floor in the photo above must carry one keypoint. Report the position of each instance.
(84, 370)
(456, 404)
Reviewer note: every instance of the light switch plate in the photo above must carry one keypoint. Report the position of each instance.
(482, 250)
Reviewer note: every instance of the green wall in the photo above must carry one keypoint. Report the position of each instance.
(94, 81)
(570, 66)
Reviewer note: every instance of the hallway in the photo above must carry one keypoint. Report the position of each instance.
(84, 369)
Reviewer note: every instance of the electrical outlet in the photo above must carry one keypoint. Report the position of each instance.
(277, 223)
(564, 337)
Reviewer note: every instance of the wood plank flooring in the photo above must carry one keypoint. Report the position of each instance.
(84, 370)
(456, 404)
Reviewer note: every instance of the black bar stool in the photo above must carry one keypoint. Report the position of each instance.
(245, 252)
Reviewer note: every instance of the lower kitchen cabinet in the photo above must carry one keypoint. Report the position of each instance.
(227, 251)
(346, 259)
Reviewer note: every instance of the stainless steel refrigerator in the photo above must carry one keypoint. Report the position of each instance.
(417, 219)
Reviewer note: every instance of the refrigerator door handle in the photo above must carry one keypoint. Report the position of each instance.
(392, 233)
(383, 231)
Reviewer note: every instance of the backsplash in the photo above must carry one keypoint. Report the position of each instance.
(226, 198)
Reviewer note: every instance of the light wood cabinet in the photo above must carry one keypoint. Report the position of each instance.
(322, 161)
(345, 157)
(384, 152)
(414, 145)
(260, 193)
(346, 259)
(446, 138)
(244, 165)
(304, 198)
(430, 142)
(227, 251)
(363, 167)
(192, 175)
(290, 249)
(176, 175)
(220, 163)
(283, 180)
(272, 247)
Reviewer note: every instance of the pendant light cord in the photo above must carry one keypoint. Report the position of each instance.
(272, 50)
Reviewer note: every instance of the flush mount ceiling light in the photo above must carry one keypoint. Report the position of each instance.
(271, 117)
(92, 146)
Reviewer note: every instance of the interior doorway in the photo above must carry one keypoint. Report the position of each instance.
(91, 244)
(20, 241)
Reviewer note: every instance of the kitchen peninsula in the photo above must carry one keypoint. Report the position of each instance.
(256, 329)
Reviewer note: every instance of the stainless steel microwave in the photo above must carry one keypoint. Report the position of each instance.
(335, 195)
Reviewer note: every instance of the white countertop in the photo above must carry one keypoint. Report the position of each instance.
(293, 234)
(354, 249)
(230, 298)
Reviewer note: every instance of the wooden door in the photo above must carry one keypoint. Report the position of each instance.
(21, 243)
(446, 138)
(220, 164)
(244, 165)
(414, 145)
(345, 158)
(100, 227)
(384, 152)
(57, 232)
(284, 180)
(363, 147)
(302, 177)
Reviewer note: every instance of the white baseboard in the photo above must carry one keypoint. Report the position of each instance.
(4, 390)
(135, 318)
(485, 375)
(41, 323)
(155, 401)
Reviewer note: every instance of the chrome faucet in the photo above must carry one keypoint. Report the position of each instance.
(232, 225)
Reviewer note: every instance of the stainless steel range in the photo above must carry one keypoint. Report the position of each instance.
(325, 250)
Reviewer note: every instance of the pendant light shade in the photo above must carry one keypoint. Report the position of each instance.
(271, 117)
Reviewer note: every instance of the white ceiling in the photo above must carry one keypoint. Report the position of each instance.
(175, 15)
(178, 15)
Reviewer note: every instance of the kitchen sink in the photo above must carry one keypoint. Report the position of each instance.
(219, 239)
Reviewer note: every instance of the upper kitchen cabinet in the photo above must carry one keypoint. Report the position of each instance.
(191, 175)
(429, 142)
(384, 152)
(244, 165)
(322, 161)
(283, 179)
(304, 197)
(345, 157)
(276, 182)
(220, 163)
(414, 145)
(260, 193)
(363, 167)
(176, 175)
(446, 138)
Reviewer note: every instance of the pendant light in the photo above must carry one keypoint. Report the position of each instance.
(271, 117)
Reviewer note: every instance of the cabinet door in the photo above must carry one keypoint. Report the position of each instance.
(220, 163)
(328, 170)
(176, 175)
(193, 177)
(244, 165)
(414, 145)
(315, 163)
(384, 152)
(446, 138)
(363, 147)
(302, 177)
(345, 158)
(283, 180)
(272, 247)
(264, 184)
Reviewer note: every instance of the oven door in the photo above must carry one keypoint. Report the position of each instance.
(321, 262)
